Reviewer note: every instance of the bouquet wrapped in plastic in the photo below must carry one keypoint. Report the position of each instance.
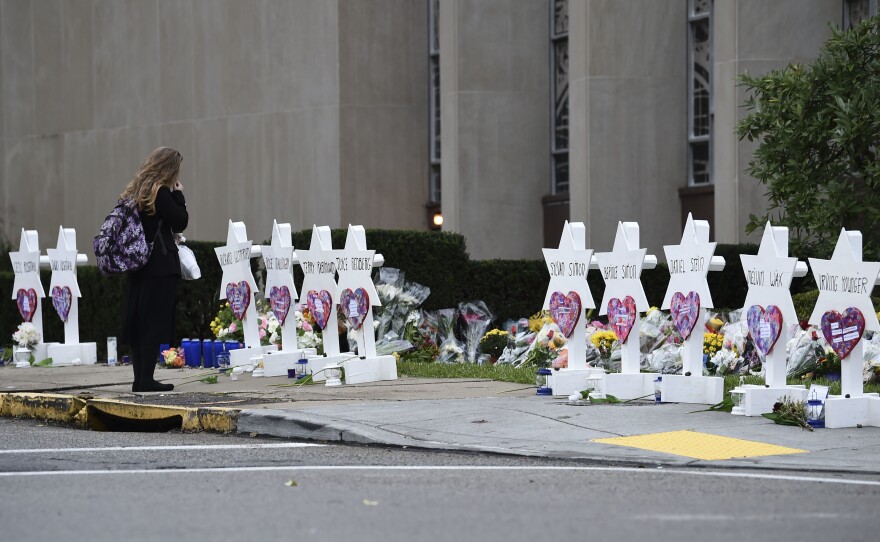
(872, 360)
(804, 350)
(451, 351)
(398, 297)
(652, 330)
(516, 350)
(475, 319)
(666, 359)
(545, 347)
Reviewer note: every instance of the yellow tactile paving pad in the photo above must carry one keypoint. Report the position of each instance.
(700, 445)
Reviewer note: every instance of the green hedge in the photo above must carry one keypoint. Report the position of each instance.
(511, 288)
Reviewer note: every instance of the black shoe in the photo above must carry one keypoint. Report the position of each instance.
(156, 386)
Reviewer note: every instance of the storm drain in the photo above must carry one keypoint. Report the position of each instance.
(99, 420)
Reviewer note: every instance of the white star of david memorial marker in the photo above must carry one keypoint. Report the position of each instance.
(26, 267)
(768, 275)
(621, 269)
(689, 264)
(62, 260)
(318, 264)
(355, 267)
(278, 259)
(846, 281)
(234, 258)
(568, 267)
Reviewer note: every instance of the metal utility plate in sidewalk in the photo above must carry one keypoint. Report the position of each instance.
(697, 445)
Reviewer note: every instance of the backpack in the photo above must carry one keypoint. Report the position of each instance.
(120, 245)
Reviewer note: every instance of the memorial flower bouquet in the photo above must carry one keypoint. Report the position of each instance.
(307, 334)
(538, 320)
(545, 348)
(399, 297)
(827, 365)
(494, 342)
(174, 358)
(451, 352)
(789, 412)
(518, 348)
(604, 341)
(26, 336)
(475, 319)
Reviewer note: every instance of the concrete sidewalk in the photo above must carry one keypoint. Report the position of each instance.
(467, 415)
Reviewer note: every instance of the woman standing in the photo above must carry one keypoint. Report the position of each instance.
(150, 302)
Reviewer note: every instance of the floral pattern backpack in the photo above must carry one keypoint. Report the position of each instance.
(120, 245)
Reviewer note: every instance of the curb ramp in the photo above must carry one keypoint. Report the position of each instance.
(116, 415)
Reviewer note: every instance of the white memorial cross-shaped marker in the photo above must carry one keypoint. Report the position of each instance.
(237, 286)
(318, 264)
(27, 289)
(280, 290)
(357, 293)
(768, 309)
(844, 309)
(688, 291)
(624, 295)
(63, 286)
(568, 294)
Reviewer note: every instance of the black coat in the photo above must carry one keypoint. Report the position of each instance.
(150, 302)
(171, 209)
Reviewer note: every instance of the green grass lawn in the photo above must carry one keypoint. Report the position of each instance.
(506, 373)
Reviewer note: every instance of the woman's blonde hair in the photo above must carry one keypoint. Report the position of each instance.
(161, 168)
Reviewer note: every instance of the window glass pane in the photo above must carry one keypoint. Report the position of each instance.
(857, 11)
(560, 173)
(560, 17)
(435, 108)
(700, 7)
(700, 162)
(435, 183)
(560, 104)
(435, 25)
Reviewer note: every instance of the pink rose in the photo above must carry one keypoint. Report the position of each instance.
(307, 326)
(262, 333)
(232, 327)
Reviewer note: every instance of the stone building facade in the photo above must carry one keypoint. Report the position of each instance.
(505, 117)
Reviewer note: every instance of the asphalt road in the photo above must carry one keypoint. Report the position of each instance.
(64, 484)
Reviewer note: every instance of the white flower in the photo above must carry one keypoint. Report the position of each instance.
(27, 335)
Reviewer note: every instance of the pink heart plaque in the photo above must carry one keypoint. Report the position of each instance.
(355, 305)
(622, 316)
(27, 303)
(239, 296)
(61, 299)
(320, 303)
(843, 331)
(764, 326)
(685, 311)
(565, 310)
(279, 300)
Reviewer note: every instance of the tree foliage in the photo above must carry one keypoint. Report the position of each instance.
(818, 127)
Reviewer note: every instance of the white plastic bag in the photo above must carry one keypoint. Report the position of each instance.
(189, 267)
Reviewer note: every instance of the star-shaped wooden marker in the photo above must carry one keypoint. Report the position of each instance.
(26, 265)
(622, 268)
(278, 258)
(845, 280)
(318, 263)
(568, 265)
(235, 258)
(355, 264)
(769, 274)
(62, 260)
(689, 263)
